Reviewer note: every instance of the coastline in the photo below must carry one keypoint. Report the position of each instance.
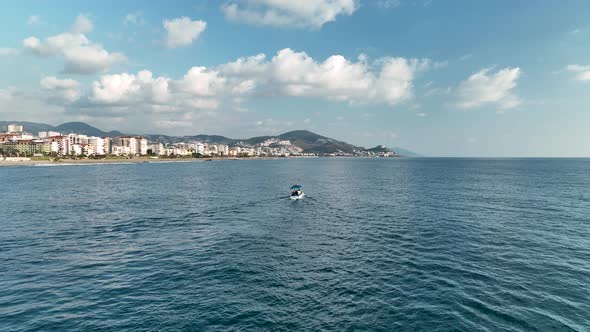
(137, 160)
(68, 162)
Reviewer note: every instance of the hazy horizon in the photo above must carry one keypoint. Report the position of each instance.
(485, 79)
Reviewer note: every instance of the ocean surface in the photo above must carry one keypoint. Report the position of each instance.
(377, 245)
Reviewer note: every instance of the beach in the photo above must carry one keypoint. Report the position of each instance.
(138, 160)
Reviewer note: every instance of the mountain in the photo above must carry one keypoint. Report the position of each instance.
(406, 153)
(85, 129)
(213, 139)
(314, 143)
(64, 128)
(310, 142)
(31, 127)
(379, 149)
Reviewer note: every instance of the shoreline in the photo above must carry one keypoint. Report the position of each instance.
(137, 160)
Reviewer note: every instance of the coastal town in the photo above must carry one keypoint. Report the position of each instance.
(17, 143)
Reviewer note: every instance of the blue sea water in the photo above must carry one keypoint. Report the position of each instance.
(378, 245)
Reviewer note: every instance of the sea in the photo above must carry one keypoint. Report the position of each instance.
(384, 244)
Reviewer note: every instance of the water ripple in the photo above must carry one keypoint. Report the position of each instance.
(378, 245)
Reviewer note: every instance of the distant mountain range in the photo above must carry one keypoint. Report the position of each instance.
(64, 128)
(310, 142)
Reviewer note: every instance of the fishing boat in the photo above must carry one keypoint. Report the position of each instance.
(296, 192)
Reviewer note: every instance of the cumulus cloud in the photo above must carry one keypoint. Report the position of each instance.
(199, 89)
(582, 73)
(201, 92)
(486, 87)
(182, 31)
(388, 80)
(82, 24)
(64, 89)
(200, 81)
(288, 73)
(80, 55)
(287, 13)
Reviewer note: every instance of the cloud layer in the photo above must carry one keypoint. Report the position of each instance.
(67, 90)
(80, 55)
(388, 80)
(203, 90)
(287, 13)
(582, 73)
(489, 88)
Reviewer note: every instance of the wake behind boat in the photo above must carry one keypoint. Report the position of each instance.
(296, 192)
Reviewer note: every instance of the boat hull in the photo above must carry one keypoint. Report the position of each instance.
(297, 197)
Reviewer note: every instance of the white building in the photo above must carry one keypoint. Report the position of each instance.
(101, 145)
(25, 137)
(60, 145)
(222, 150)
(76, 149)
(46, 134)
(200, 148)
(157, 149)
(142, 146)
(119, 150)
(14, 128)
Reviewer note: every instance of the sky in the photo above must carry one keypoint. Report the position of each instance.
(489, 78)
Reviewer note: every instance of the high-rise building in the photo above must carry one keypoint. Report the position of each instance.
(46, 134)
(15, 128)
(142, 146)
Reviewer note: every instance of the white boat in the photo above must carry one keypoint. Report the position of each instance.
(296, 192)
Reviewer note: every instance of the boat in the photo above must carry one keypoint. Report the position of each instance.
(296, 192)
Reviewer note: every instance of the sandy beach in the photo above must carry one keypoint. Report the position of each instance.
(138, 160)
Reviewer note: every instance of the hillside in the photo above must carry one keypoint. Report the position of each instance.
(406, 153)
(378, 149)
(313, 143)
(64, 128)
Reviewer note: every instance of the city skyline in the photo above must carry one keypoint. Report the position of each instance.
(395, 72)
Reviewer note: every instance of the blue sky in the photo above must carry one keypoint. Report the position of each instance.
(443, 78)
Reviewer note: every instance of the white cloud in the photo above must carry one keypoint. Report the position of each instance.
(134, 18)
(200, 81)
(582, 73)
(291, 73)
(486, 87)
(64, 89)
(80, 55)
(8, 51)
(82, 25)
(271, 126)
(288, 13)
(203, 91)
(388, 4)
(182, 31)
(199, 89)
(33, 19)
